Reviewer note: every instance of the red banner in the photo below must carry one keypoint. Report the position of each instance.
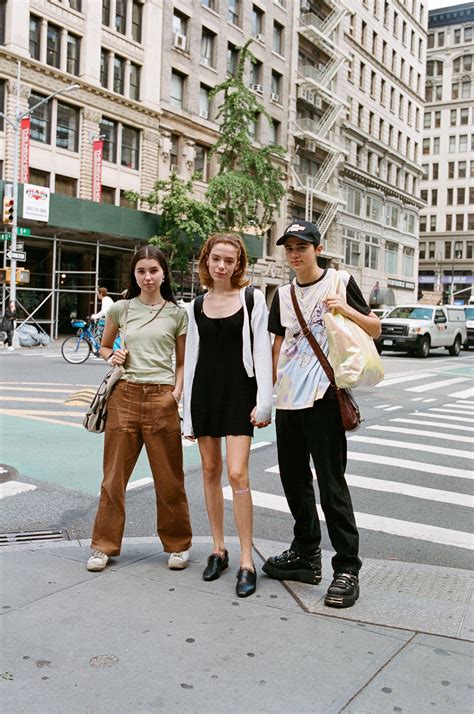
(97, 148)
(25, 150)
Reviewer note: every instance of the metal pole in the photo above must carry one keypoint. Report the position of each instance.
(53, 292)
(16, 149)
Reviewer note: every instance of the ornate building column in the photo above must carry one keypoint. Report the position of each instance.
(89, 129)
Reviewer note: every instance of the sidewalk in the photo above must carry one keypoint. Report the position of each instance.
(141, 638)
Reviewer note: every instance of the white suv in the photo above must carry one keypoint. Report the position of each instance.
(418, 328)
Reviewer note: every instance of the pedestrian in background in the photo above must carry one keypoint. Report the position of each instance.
(8, 324)
(308, 420)
(227, 391)
(143, 409)
(106, 304)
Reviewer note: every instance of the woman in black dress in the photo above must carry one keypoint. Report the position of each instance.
(228, 391)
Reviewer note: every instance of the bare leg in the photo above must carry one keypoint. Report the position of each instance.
(211, 458)
(238, 450)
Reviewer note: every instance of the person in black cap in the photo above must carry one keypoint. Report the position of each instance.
(308, 421)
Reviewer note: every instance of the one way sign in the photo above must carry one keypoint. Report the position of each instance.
(19, 255)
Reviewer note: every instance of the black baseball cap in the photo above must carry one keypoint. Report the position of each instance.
(301, 229)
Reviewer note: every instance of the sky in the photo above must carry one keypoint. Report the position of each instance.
(435, 4)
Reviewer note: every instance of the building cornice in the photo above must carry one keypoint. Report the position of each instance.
(388, 190)
(385, 151)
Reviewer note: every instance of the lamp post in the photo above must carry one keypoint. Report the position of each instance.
(16, 126)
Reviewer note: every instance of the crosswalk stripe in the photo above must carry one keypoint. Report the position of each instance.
(448, 417)
(420, 432)
(381, 524)
(447, 410)
(462, 401)
(408, 465)
(35, 389)
(33, 399)
(393, 409)
(28, 415)
(424, 422)
(44, 412)
(461, 408)
(436, 385)
(139, 482)
(459, 453)
(259, 444)
(404, 378)
(467, 393)
(12, 488)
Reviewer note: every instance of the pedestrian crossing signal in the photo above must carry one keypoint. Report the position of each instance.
(8, 205)
(22, 276)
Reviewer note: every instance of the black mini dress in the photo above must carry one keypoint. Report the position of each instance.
(223, 395)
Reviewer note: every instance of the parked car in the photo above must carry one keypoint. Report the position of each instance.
(469, 312)
(417, 329)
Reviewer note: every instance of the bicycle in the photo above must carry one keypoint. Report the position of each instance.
(76, 349)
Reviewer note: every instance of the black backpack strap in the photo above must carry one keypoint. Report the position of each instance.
(198, 306)
(249, 301)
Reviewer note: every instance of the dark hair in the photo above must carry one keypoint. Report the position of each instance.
(154, 253)
(238, 279)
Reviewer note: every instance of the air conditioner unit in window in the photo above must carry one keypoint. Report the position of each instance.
(258, 88)
(302, 93)
(179, 41)
(310, 145)
(260, 37)
(203, 113)
(275, 97)
(318, 102)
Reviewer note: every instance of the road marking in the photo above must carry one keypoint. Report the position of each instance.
(36, 400)
(404, 378)
(459, 453)
(392, 409)
(366, 521)
(42, 412)
(461, 401)
(27, 415)
(461, 408)
(426, 401)
(433, 423)
(449, 411)
(381, 406)
(50, 384)
(436, 385)
(36, 389)
(139, 482)
(12, 488)
(408, 465)
(420, 432)
(448, 417)
(259, 444)
(467, 393)
(416, 399)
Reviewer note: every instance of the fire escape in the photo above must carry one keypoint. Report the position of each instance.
(314, 88)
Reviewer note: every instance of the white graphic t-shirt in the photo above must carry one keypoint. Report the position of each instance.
(300, 378)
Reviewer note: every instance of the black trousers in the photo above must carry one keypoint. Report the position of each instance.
(318, 432)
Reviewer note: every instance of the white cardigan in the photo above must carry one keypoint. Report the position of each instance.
(260, 364)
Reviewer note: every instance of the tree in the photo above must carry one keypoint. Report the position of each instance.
(185, 222)
(248, 186)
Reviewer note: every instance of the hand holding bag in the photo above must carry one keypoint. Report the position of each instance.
(95, 418)
(350, 414)
(352, 352)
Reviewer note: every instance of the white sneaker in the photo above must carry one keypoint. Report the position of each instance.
(97, 561)
(178, 561)
(11, 348)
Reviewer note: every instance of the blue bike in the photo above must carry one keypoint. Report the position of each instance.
(77, 348)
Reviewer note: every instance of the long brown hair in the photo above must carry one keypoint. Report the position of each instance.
(238, 279)
(150, 251)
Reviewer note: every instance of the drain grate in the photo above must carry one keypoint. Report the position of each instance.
(32, 536)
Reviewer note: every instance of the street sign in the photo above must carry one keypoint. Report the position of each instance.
(5, 236)
(16, 255)
(19, 245)
(23, 231)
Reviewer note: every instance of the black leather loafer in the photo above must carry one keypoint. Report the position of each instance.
(246, 582)
(215, 565)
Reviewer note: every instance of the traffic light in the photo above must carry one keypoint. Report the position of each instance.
(8, 204)
(4, 275)
(22, 276)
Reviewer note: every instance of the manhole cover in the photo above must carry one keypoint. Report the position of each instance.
(19, 537)
(8, 473)
(103, 661)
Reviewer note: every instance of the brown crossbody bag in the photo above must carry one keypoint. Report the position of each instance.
(350, 414)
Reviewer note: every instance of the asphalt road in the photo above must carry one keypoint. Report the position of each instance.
(410, 465)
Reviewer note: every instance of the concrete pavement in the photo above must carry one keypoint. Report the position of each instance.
(141, 638)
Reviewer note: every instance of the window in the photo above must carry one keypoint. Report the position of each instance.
(104, 68)
(432, 223)
(461, 196)
(233, 11)
(65, 185)
(35, 29)
(174, 166)
(371, 252)
(466, 90)
(436, 143)
(457, 36)
(121, 16)
(373, 208)
(207, 47)
(177, 89)
(211, 4)
(459, 222)
(440, 39)
(449, 222)
(408, 259)
(424, 195)
(354, 201)
(431, 250)
(437, 120)
(67, 127)
(276, 84)
(471, 169)
(363, 33)
(383, 84)
(422, 247)
(39, 178)
(232, 59)
(467, 34)
(427, 120)
(180, 26)
(426, 146)
(119, 75)
(449, 197)
(425, 168)
(434, 196)
(3, 12)
(422, 224)
(40, 119)
(73, 54)
(470, 224)
(471, 195)
(134, 82)
(372, 83)
(462, 165)
(53, 46)
(137, 21)
(362, 76)
(125, 202)
(431, 38)
(391, 257)
(204, 102)
(108, 129)
(107, 195)
(277, 41)
(451, 169)
(409, 222)
(106, 12)
(392, 216)
(130, 147)
(351, 247)
(257, 21)
(435, 171)
(274, 132)
(447, 249)
(464, 115)
(470, 243)
(201, 159)
(256, 73)
(452, 144)
(463, 143)
(2, 103)
(453, 117)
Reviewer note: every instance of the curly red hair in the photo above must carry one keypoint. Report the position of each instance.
(238, 279)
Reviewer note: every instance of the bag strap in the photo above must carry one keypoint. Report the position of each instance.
(198, 301)
(249, 302)
(125, 316)
(311, 338)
